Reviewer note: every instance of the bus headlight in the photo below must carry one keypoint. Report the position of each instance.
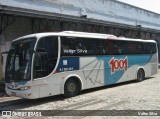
(25, 87)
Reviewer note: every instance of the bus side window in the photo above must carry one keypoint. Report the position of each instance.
(64, 49)
(103, 47)
(68, 47)
(37, 63)
(45, 56)
(125, 48)
(152, 48)
(119, 46)
(132, 48)
(145, 49)
(111, 50)
(40, 63)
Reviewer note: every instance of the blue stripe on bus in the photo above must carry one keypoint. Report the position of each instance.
(73, 63)
(68, 64)
(110, 78)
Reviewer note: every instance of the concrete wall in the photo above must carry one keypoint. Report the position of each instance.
(105, 10)
(20, 27)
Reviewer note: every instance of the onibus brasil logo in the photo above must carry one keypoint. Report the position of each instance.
(118, 64)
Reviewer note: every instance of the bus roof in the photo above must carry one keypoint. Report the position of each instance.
(82, 34)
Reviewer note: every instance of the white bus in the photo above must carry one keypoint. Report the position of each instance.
(47, 64)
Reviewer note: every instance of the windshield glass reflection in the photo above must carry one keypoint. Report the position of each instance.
(19, 60)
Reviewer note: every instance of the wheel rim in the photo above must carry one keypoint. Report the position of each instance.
(71, 88)
(140, 75)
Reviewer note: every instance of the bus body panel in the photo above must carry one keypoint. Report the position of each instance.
(92, 70)
(13, 89)
(92, 73)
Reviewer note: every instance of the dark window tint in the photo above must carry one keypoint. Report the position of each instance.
(128, 48)
(79, 46)
(46, 56)
(117, 47)
(91, 46)
(72, 46)
(103, 48)
(152, 47)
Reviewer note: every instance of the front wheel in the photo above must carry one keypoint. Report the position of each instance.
(71, 88)
(140, 75)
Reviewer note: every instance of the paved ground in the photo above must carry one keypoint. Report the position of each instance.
(132, 95)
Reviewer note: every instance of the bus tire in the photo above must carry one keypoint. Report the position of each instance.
(71, 88)
(140, 75)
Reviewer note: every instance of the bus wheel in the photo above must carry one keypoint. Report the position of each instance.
(140, 75)
(71, 88)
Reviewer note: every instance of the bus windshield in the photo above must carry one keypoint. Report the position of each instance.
(19, 60)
